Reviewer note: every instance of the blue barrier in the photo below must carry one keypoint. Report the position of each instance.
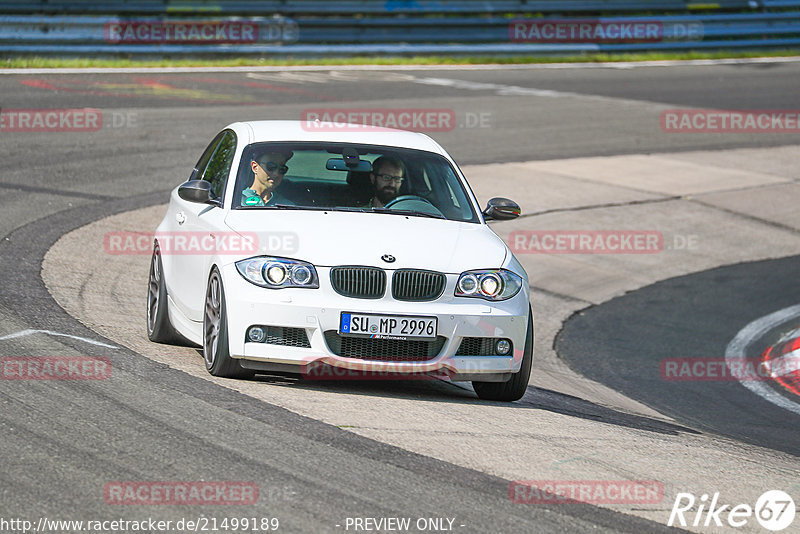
(371, 7)
(774, 25)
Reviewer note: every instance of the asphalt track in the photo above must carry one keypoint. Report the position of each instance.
(65, 440)
(693, 316)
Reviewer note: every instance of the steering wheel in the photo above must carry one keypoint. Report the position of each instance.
(414, 203)
(401, 198)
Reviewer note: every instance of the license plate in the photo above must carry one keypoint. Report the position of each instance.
(402, 327)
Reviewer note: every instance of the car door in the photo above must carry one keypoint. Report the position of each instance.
(201, 225)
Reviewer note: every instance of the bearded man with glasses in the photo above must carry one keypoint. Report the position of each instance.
(387, 176)
(268, 172)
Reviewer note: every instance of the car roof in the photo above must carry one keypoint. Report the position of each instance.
(264, 131)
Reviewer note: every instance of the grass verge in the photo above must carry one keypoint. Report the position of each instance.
(24, 62)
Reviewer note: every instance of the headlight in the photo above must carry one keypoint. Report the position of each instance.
(301, 275)
(277, 273)
(489, 284)
(467, 284)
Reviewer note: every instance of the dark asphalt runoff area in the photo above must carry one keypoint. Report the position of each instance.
(63, 441)
(623, 342)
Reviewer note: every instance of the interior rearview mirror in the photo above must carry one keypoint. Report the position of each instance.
(338, 164)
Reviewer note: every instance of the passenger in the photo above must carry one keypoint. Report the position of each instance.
(268, 171)
(387, 176)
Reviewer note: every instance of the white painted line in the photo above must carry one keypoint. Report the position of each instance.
(737, 349)
(525, 66)
(23, 333)
(514, 90)
(501, 90)
(789, 335)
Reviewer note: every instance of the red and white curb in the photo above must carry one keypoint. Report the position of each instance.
(737, 349)
(783, 361)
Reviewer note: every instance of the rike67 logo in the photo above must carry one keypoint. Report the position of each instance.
(774, 510)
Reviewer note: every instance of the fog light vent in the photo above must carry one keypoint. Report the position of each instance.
(256, 334)
(484, 346)
(502, 347)
(278, 335)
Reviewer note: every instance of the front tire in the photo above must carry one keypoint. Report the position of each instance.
(159, 328)
(215, 333)
(514, 388)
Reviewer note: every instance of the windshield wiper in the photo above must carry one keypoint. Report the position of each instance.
(409, 212)
(288, 207)
(317, 208)
(348, 209)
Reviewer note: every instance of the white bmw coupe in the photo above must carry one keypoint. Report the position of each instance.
(296, 246)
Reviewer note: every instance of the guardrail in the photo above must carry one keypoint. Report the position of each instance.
(371, 7)
(280, 34)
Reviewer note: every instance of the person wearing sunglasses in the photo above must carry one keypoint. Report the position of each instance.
(268, 172)
(387, 176)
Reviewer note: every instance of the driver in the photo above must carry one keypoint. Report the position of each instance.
(268, 171)
(387, 176)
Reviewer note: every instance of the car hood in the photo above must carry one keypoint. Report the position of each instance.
(341, 238)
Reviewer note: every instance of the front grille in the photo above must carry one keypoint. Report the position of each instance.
(359, 282)
(384, 350)
(478, 346)
(286, 336)
(416, 285)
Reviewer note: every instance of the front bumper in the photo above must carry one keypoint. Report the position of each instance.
(317, 311)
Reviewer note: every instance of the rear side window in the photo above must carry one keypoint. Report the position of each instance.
(219, 164)
(202, 163)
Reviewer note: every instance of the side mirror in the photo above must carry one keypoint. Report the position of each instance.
(199, 191)
(501, 209)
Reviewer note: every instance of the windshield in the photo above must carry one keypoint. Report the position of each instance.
(350, 177)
